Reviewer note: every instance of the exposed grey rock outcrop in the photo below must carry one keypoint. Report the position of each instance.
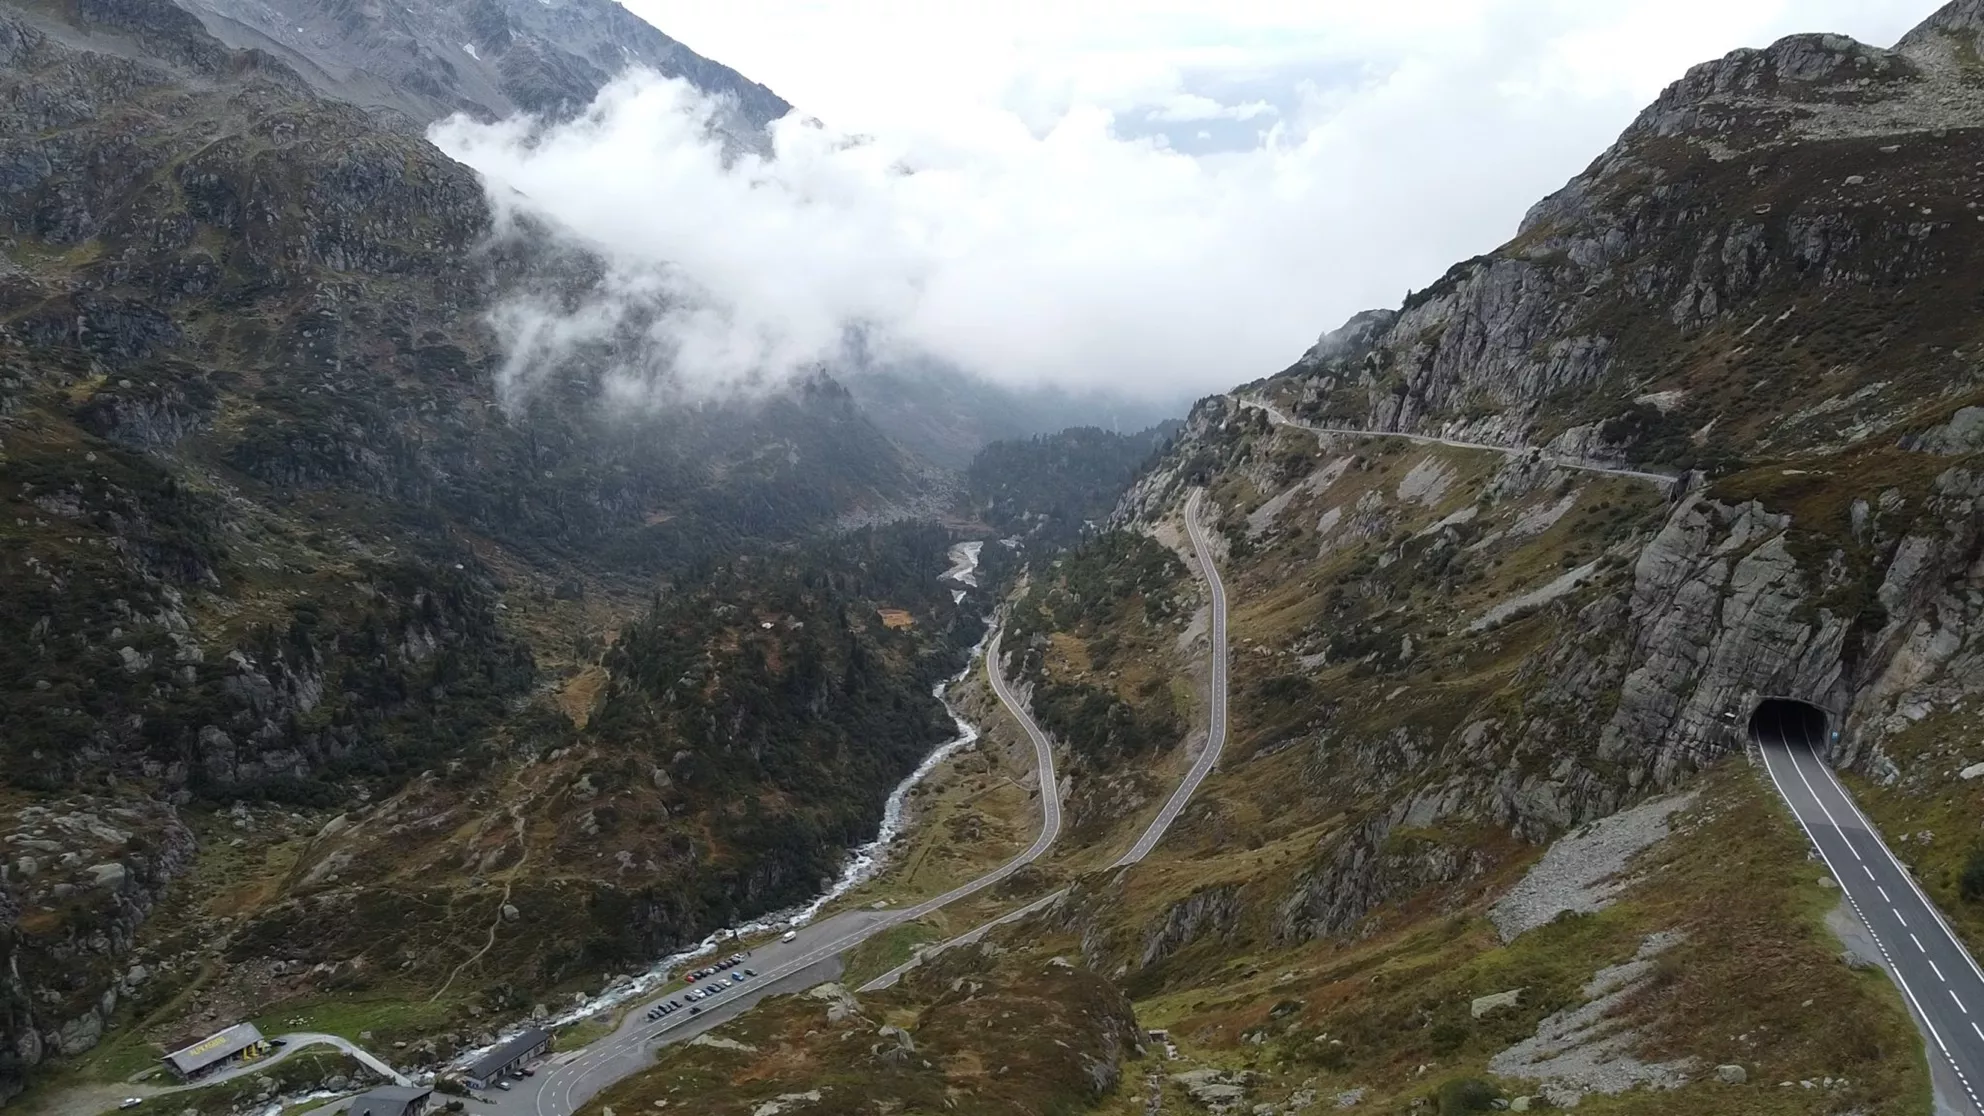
(1587, 1048)
(1353, 338)
(1209, 913)
(490, 58)
(111, 861)
(1671, 216)
(1582, 871)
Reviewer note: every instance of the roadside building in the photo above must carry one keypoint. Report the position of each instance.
(239, 1043)
(506, 1057)
(390, 1100)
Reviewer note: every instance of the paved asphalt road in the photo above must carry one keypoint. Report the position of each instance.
(1216, 718)
(1943, 985)
(1275, 416)
(571, 1079)
(1043, 751)
(1208, 756)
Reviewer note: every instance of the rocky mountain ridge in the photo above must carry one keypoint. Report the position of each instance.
(1445, 657)
(1837, 175)
(488, 58)
(274, 534)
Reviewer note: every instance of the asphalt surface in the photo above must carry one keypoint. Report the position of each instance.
(1941, 982)
(1275, 416)
(1216, 717)
(1050, 829)
(568, 1080)
(1208, 756)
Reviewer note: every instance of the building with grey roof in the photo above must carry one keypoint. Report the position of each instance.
(236, 1042)
(506, 1056)
(390, 1100)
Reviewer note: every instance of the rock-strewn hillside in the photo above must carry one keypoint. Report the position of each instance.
(975, 1033)
(1704, 432)
(272, 534)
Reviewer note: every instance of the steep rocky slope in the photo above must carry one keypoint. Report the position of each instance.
(1770, 278)
(1704, 432)
(273, 534)
(488, 58)
(1792, 224)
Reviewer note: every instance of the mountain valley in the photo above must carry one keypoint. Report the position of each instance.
(360, 685)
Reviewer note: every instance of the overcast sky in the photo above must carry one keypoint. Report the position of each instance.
(1162, 196)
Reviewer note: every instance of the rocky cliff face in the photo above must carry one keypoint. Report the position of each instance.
(1798, 216)
(272, 532)
(1764, 289)
(81, 875)
(1623, 662)
(488, 58)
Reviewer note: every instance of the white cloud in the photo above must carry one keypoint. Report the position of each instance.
(1042, 240)
(1185, 108)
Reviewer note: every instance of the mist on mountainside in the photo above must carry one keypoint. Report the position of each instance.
(948, 416)
(443, 590)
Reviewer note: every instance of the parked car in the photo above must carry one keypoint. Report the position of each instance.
(530, 1071)
(750, 972)
(738, 977)
(502, 1083)
(788, 935)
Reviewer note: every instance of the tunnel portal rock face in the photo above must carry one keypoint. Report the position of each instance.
(1788, 721)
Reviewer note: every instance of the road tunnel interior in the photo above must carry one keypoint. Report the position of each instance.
(1788, 720)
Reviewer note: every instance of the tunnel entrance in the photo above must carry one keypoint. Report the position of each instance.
(1788, 721)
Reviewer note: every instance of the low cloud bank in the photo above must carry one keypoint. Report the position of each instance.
(1058, 251)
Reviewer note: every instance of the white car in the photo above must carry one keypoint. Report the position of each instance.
(130, 1102)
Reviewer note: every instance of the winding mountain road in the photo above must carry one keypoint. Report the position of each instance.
(1665, 480)
(1215, 702)
(1937, 976)
(1207, 759)
(781, 966)
(574, 1078)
